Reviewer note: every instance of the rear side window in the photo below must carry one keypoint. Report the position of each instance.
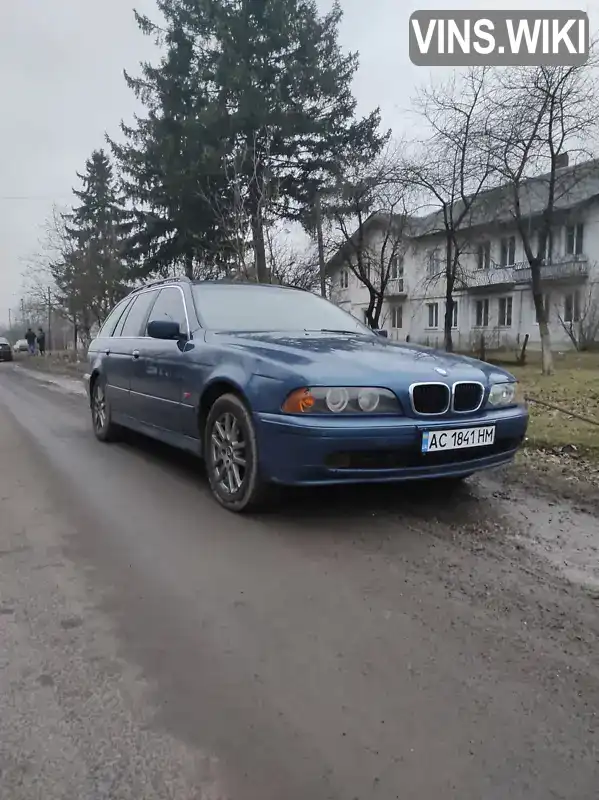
(113, 318)
(134, 323)
(170, 307)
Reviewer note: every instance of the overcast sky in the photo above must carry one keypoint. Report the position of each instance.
(61, 89)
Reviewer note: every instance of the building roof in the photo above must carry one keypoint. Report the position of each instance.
(378, 219)
(576, 186)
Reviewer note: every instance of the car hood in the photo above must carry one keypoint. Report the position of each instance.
(324, 357)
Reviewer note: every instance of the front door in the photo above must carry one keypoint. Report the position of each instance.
(161, 370)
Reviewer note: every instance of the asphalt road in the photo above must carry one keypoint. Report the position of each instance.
(354, 644)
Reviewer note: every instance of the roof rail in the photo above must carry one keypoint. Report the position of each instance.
(160, 281)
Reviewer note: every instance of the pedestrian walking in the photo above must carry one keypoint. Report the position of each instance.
(41, 341)
(30, 338)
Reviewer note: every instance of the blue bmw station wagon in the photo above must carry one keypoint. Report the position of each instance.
(273, 385)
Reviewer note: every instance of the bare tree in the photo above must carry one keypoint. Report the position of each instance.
(370, 225)
(289, 264)
(582, 325)
(242, 204)
(451, 170)
(63, 271)
(542, 133)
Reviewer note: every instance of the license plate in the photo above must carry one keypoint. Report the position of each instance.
(457, 439)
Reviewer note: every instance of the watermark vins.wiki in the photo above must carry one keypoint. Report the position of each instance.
(499, 38)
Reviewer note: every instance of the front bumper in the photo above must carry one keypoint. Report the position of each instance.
(313, 451)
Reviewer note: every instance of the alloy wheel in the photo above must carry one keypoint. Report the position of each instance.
(99, 409)
(229, 453)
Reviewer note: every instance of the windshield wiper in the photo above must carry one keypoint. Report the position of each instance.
(335, 330)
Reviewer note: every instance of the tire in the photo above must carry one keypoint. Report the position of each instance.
(105, 429)
(231, 456)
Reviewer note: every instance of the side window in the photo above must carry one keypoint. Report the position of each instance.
(170, 307)
(134, 322)
(112, 320)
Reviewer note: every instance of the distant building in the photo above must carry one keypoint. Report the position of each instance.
(494, 297)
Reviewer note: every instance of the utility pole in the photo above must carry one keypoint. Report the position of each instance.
(320, 239)
(23, 320)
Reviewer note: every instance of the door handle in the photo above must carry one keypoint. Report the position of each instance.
(136, 354)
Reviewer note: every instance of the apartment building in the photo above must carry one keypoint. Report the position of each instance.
(493, 297)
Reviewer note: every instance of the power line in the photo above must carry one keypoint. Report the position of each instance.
(18, 197)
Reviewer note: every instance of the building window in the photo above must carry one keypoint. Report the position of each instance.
(546, 306)
(397, 316)
(454, 314)
(572, 307)
(505, 312)
(396, 268)
(344, 278)
(545, 250)
(574, 240)
(482, 313)
(508, 251)
(433, 315)
(483, 255)
(434, 264)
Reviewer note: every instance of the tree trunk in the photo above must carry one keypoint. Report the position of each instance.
(259, 247)
(448, 321)
(320, 240)
(189, 267)
(448, 318)
(537, 296)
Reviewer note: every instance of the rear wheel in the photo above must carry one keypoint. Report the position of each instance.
(104, 428)
(231, 456)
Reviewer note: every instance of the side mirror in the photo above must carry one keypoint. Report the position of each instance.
(381, 332)
(164, 329)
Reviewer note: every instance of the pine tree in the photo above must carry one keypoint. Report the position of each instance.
(91, 273)
(170, 163)
(258, 89)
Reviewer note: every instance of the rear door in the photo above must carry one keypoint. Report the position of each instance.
(104, 347)
(160, 372)
(124, 352)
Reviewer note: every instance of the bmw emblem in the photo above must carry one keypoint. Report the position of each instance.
(441, 371)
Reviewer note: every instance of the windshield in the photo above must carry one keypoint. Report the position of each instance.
(261, 308)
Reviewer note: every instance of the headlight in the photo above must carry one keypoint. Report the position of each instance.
(505, 394)
(341, 400)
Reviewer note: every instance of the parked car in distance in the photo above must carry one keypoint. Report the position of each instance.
(272, 385)
(21, 346)
(5, 350)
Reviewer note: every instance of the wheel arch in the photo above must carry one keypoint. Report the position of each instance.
(215, 389)
(93, 379)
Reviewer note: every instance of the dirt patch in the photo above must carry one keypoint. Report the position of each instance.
(563, 473)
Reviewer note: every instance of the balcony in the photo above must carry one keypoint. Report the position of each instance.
(395, 288)
(567, 268)
(495, 277)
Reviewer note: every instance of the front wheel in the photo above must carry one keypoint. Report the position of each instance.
(231, 456)
(104, 428)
